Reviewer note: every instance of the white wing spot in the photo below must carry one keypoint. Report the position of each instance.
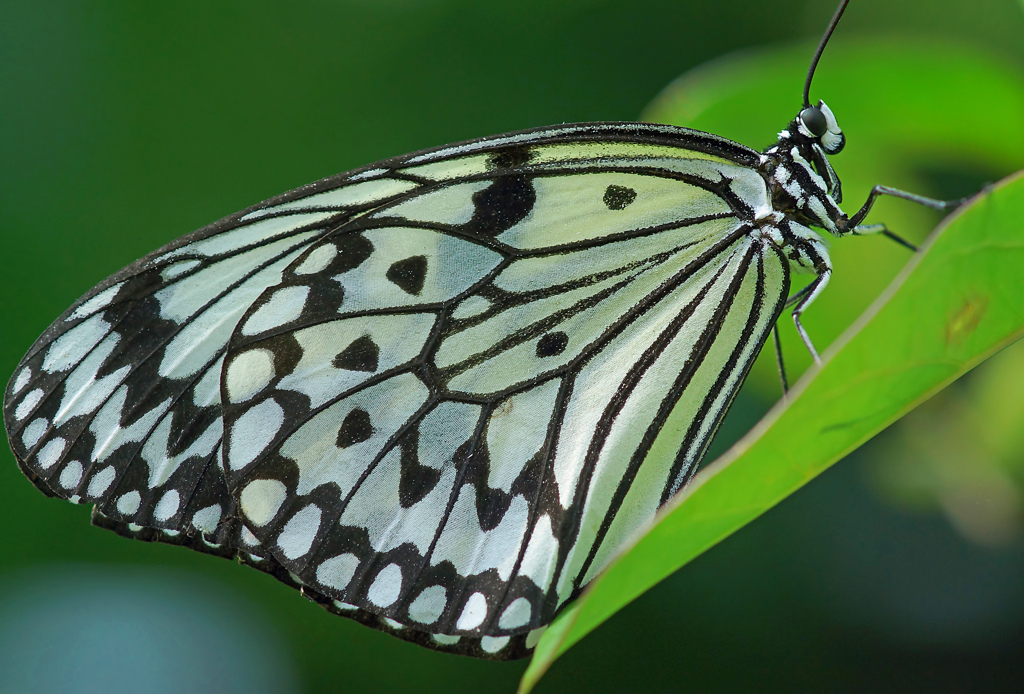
(493, 644)
(249, 373)
(253, 432)
(71, 347)
(261, 500)
(471, 306)
(539, 559)
(394, 624)
(167, 506)
(445, 639)
(206, 519)
(428, 605)
(284, 306)
(129, 503)
(96, 303)
(248, 538)
(444, 429)
(299, 532)
(317, 260)
(172, 271)
(28, 403)
(50, 453)
(516, 614)
(369, 173)
(386, 587)
(101, 481)
(344, 606)
(336, 572)
(71, 475)
(474, 613)
(34, 431)
(22, 380)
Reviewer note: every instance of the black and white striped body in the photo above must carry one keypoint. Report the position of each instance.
(438, 393)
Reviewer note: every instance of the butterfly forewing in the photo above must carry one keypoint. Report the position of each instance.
(436, 394)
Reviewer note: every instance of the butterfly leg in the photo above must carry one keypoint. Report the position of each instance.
(853, 224)
(856, 219)
(868, 229)
(805, 298)
(777, 341)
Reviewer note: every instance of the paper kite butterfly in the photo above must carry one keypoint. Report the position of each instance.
(438, 393)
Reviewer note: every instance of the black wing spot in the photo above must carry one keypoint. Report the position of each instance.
(510, 158)
(618, 197)
(353, 250)
(552, 344)
(362, 355)
(409, 274)
(416, 480)
(502, 205)
(355, 428)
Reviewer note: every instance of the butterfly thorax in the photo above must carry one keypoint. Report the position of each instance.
(804, 188)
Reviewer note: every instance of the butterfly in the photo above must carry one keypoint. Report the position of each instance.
(438, 393)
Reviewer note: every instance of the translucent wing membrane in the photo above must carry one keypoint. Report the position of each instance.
(436, 394)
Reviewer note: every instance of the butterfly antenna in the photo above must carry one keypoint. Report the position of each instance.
(821, 49)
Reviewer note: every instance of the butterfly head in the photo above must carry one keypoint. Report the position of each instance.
(818, 124)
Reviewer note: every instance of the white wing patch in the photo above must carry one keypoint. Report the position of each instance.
(410, 266)
(353, 195)
(571, 209)
(256, 233)
(182, 299)
(448, 205)
(473, 550)
(377, 507)
(516, 432)
(444, 429)
(340, 355)
(337, 444)
(429, 605)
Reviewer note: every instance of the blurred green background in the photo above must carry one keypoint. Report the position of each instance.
(124, 125)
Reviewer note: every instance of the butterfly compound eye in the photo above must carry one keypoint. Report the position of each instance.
(814, 120)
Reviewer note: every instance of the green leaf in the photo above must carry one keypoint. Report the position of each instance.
(956, 303)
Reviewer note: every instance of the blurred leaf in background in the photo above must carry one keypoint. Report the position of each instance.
(126, 125)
